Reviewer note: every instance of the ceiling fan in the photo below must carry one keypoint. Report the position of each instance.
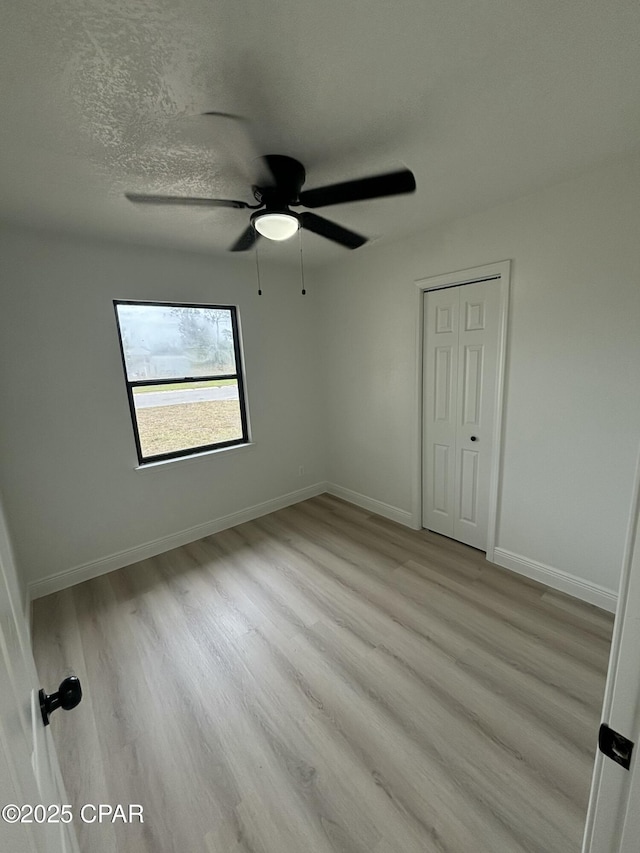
(282, 189)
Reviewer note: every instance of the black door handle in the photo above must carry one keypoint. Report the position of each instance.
(68, 696)
(474, 438)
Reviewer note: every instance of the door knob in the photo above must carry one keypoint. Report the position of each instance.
(68, 696)
(474, 438)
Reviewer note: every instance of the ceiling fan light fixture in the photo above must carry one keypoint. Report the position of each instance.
(275, 226)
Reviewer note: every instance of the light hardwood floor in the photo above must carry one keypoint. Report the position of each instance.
(324, 680)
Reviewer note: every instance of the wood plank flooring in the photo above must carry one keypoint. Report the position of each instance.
(324, 680)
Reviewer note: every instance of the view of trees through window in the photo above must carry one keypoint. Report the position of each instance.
(183, 377)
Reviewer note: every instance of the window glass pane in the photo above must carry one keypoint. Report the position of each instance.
(193, 414)
(171, 341)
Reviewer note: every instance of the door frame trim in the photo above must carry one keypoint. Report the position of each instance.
(501, 270)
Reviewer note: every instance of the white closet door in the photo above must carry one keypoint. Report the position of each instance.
(460, 364)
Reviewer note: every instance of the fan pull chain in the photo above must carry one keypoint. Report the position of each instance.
(301, 263)
(258, 270)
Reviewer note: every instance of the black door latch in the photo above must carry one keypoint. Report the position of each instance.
(615, 746)
(68, 696)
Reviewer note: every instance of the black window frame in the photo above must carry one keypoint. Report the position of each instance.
(136, 383)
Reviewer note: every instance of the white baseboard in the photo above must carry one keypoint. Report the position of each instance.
(554, 578)
(380, 508)
(71, 577)
(585, 590)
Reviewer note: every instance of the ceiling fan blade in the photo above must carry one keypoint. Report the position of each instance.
(223, 115)
(244, 148)
(138, 198)
(246, 240)
(331, 230)
(392, 183)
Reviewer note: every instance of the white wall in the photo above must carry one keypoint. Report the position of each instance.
(572, 395)
(67, 455)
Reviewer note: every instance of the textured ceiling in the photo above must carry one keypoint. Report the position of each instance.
(484, 100)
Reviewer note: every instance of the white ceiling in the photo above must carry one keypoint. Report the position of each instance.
(484, 100)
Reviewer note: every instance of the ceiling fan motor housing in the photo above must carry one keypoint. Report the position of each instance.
(288, 179)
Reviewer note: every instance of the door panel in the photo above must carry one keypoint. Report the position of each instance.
(461, 328)
(441, 479)
(468, 487)
(472, 385)
(444, 318)
(474, 315)
(440, 389)
(30, 772)
(613, 819)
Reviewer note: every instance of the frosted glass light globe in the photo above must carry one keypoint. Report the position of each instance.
(276, 226)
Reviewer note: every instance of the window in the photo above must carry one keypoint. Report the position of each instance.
(183, 371)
